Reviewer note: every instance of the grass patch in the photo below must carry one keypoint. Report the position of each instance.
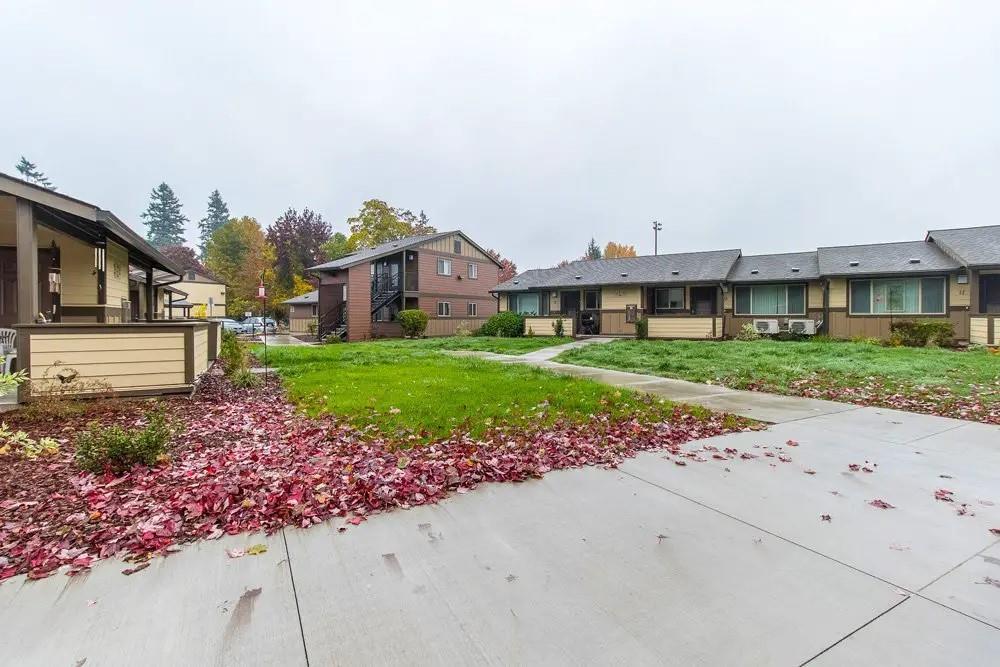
(481, 343)
(772, 365)
(409, 387)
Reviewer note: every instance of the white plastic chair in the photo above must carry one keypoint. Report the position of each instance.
(8, 348)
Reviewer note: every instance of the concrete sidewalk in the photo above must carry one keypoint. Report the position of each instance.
(720, 562)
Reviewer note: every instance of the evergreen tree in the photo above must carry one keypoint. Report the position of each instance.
(218, 215)
(593, 250)
(30, 173)
(164, 220)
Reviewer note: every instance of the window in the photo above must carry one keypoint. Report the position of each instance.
(190, 275)
(525, 304)
(344, 297)
(898, 296)
(314, 310)
(592, 299)
(669, 298)
(473, 271)
(458, 246)
(472, 310)
(770, 300)
(444, 266)
(444, 309)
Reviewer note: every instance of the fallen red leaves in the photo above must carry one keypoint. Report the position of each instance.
(980, 404)
(881, 504)
(247, 461)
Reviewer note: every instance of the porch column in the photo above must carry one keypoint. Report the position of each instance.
(150, 296)
(27, 263)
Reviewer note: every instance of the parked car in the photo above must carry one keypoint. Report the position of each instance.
(256, 325)
(232, 325)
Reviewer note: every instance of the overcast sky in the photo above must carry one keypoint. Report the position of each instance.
(531, 126)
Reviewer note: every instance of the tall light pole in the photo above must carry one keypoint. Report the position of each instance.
(657, 227)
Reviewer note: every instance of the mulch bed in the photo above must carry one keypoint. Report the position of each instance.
(248, 461)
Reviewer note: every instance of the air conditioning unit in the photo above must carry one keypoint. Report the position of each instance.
(766, 326)
(807, 327)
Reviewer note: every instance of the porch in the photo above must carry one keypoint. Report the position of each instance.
(85, 295)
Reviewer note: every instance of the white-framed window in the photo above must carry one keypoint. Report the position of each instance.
(472, 310)
(668, 298)
(524, 304)
(769, 300)
(444, 266)
(898, 296)
(444, 309)
(473, 271)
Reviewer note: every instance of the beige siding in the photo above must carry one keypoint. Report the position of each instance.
(684, 327)
(542, 326)
(555, 302)
(617, 297)
(126, 361)
(117, 270)
(301, 324)
(814, 295)
(958, 295)
(200, 292)
(838, 293)
(76, 259)
(503, 302)
(979, 330)
(200, 350)
(727, 299)
(447, 244)
(448, 327)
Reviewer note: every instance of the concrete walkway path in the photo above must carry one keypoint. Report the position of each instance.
(721, 562)
(770, 408)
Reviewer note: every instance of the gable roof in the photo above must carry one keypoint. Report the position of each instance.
(303, 299)
(84, 216)
(390, 247)
(889, 258)
(782, 266)
(972, 246)
(678, 268)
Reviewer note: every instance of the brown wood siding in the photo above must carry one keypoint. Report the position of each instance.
(359, 302)
(613, 323)
(844, 326)
(735, 323)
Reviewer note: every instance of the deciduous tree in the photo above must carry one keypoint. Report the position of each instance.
(238, 253)
(376, 223)
(184, 257)
(336, 247)
(613, 250)
(30, 173)
(164, 220)
(298, 240)
(508, 269)
(217, 215)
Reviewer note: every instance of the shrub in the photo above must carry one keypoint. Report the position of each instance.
(463, 329)
(413, 321)
(504, 325)
(117, 449)
(244, 378)
(557, 327)
(312, 327)
(232, 353)
(21, 444)
(62, 392)
(748, 332)
(642, 328)
(918, 333)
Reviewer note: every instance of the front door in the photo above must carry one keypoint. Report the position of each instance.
(989, 294)
(8, 287)
(703, 300)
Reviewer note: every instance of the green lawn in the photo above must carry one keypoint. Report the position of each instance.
(481, 343)
(772, 365)
(401, 387)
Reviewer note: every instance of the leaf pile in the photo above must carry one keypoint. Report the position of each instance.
(247, 461)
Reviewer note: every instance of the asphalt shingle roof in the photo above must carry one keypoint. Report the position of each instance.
(677, 268)
(784, 266)
(886, 258)
(303, 299)
(376, 251)
(974, 246)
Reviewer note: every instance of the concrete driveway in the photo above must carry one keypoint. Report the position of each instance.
(716, 562)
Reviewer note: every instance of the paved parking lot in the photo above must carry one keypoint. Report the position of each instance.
(715, 562)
